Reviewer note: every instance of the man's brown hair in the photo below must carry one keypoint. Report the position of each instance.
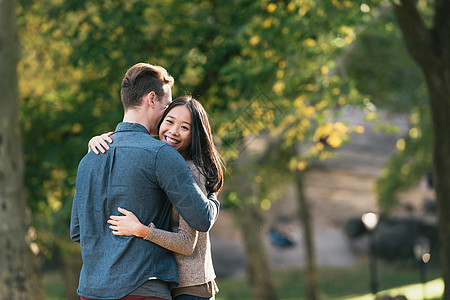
(141, 79)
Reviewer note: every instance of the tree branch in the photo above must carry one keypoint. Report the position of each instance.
(216, 63)
(442, 15)
(417, 37)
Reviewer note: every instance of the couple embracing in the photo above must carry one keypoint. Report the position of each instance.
(143, 207)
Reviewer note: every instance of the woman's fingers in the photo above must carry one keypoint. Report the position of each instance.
(114, 218)
(93, 148)
(124, 211)
(112, 222)
(102, 145)
(115, 230)
(106, 137)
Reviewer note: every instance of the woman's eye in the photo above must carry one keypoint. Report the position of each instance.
(185, 127)
(169, 121)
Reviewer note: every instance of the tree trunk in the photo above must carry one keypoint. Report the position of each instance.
(71, 266)
(260, 274)
(250, 221)
(431, 50)
(19, 271)
(305, 216)
(439, 90)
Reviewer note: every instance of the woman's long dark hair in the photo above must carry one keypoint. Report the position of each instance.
(202, 150)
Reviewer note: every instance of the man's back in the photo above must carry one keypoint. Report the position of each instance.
(124, 177)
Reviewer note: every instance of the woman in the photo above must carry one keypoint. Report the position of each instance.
(185, 126)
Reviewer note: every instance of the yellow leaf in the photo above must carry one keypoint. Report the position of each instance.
(254, 40)
(344, 29)
(301, 165)
(271, 7)
(310, 87)
(400, 145)
(280, 74)
(324, 70)
(309, 111)
(336, 91)
(268, 53)
(347, 3)
(246, 132)
(359, 129)
(265, 204)
(309, 42)
(370, 116)
(299, 101)
(414, 118)
(267, 23)
(305, 123)
(291, 6)
(290, 118)
(323, 131)
(77, 127)
(303, 10)
(322, 104)
(334, 140)
(279, 87)
(340, 127)
(414, 132)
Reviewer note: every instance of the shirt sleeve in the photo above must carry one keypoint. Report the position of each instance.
(174, 177)
(182, 241)
(74, 223)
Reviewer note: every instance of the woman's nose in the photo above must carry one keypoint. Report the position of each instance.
(174, 130)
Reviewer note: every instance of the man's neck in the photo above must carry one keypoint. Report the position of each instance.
(136, 116)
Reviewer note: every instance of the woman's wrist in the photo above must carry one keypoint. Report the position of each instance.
(150, 229)
(142, 231)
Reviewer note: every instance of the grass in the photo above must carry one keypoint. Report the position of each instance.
(342, 283)
(53, 286)
(335, 283)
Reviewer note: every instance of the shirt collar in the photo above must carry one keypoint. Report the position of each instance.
(127, 126)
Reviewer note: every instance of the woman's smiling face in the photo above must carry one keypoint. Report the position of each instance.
(175, 129)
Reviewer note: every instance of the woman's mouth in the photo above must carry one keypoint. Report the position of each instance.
(171, 141)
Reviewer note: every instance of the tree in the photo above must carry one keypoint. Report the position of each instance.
(19, 271)
(428, 41)
(250, 220)
(227, 53)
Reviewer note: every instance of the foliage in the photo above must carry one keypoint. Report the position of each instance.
(409, 164)
(261, 68)
(401, 88)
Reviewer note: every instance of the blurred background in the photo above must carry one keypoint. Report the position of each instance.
(332, 117)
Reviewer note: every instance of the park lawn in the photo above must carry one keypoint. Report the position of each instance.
(342, 283)
(335, 283)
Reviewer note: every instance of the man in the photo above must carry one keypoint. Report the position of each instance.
(136, 174)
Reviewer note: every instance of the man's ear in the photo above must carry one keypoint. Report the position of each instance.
(151, 99)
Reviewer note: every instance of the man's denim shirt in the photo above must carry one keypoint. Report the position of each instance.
(136, 174)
